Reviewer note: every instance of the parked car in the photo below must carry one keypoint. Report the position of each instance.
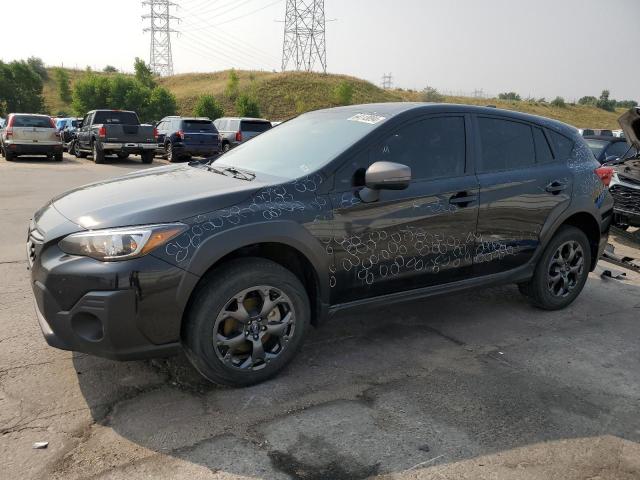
(119, 132)
(589, 132)
(30, 134)
(234, 131)
(607, 148)
(1, 122)
(67, 128)
(367, 205)
(180, 137)
(625, 184)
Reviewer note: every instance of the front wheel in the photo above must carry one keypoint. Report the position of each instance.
(561, 272)
(247, 322)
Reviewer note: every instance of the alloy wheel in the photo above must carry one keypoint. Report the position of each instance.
(169, 149)
(254, 328)
(566, 269)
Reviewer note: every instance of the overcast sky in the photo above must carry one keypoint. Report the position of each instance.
(539, 48)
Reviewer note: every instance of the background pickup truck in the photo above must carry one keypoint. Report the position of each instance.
(106, 132)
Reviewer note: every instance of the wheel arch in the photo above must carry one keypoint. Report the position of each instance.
(588, 224)
(286, 243)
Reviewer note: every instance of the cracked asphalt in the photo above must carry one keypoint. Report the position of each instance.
(477, 385)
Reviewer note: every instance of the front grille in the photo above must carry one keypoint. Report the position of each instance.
(626, 198)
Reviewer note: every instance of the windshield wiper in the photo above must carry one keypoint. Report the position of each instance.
(248, 176)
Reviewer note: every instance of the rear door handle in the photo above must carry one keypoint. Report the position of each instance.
(462, 199)
(556, 187)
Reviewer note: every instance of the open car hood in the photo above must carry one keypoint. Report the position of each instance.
(630, 123)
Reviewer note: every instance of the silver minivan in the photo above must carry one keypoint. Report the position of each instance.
(236, 130)
(30, 134)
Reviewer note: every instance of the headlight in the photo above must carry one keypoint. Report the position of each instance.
(115, 244)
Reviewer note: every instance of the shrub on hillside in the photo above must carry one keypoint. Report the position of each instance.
(558, 102)
(626, 103)
(588, 100)
(143, 73)
(509, 96)
(62, 83)
(208, 106)
(430, 94)
(604, 103)
(233, 83)
(20, 88)
(343, 93)
(110, 69)
(38, 66)
(247, 106)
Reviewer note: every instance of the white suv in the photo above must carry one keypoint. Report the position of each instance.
(30, 134)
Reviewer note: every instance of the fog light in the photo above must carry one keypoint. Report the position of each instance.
(87, 326)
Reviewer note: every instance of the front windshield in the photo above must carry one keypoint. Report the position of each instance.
(597, 146)
(302, 145)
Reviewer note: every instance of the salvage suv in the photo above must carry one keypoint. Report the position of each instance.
(339, 209)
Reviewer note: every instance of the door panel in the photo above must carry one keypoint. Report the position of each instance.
(515, 203)
(412, 238)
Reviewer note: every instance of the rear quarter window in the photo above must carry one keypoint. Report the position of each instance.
(543, 150)
(562, 145)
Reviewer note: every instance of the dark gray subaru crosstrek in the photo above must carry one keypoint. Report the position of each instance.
(344, 208)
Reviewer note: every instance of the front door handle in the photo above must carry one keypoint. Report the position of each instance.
(556, 187)
(462, 199)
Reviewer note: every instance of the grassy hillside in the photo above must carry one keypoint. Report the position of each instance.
(284, 95)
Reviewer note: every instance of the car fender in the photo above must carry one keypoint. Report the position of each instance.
(288, 233)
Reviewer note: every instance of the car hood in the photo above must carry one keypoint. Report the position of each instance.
(630, 123)
(157, 195)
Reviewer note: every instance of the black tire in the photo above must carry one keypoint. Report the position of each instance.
(206, 316)
(2, 151)
(98, 154)
(9, 155)
(560, 275)
(123, 156)
(58, 157)
(147, 157)
(77, 152)
(169, 153)
(226, 147)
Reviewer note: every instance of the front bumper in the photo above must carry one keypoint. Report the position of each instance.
(121, 310)
(34, 148)
(626, 208)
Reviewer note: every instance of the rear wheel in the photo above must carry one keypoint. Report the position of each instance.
(246, 322)
(561, 272)
(226, 147)
(168, 148)
(147, 157)
(98, 154)
(58, 157)
(9, 155)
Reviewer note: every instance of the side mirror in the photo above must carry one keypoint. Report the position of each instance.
(387, 176)
(384, 176)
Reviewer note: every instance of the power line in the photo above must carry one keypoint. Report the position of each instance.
(304, 35)
(387, 81)
(160, 56)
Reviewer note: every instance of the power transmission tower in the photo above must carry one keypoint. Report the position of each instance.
(304, 35)
(160, 58)
(387, 81)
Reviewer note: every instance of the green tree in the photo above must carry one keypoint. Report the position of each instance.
(233, 85)
(627, 103)
(343, 93)
(208, 106)
(91, 92)
(430, 94)
(20, 88)
(143, 73)
(162, 103)
(605, 103)
(588, 100)
(509, 96)
(558, 102)
(38, 66)
(62, 83)
(247, 106)
(110, 69)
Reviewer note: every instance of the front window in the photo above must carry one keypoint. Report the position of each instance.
(302, 145)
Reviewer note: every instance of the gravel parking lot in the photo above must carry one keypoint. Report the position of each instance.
(477, 385)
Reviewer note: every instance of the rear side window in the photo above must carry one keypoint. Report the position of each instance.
(198, 126)
(433, 148)
(31, 121)
(562, 145)
(258, 127)
(122, 118)
(543, 151)
(506, 145)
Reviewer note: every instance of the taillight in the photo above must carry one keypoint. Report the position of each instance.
(180, 134)
(238, 136)
(53, 124)
(605, 174)
(9, 132)
(155, 133)
(102, 133)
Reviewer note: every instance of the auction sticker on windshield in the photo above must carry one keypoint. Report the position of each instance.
(370, 118)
